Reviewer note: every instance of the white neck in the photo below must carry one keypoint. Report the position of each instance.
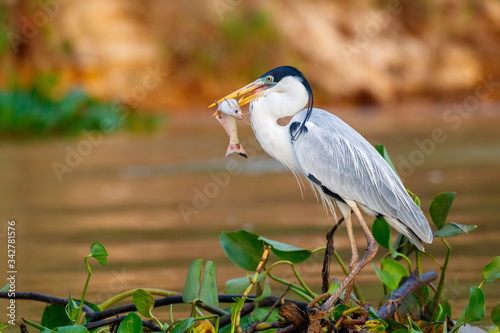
(287, 98)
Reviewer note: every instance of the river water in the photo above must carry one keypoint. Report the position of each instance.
(159, 201)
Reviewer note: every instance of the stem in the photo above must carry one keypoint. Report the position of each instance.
(279, 263)
(430, 256)
(193, 309)
(408, 261)
(262, 262)
(198, 312)
(212, 309)
(302, 283)
(159, 292)
(318, 249)
(37, 326)
(158, 322)
(418, 256)
(440, 287)
(355, 288)
(215, 317)
(295, 288)
(351, 310)
(82, 300)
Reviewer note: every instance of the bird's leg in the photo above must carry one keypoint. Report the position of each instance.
(371, 244)
(354, 254)
(370, 252)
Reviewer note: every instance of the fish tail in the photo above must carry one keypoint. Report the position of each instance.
(235, 148)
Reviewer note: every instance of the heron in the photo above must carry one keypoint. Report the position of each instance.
(342, 167)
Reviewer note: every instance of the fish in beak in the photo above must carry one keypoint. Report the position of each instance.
(229, 107)
(229, 124)
(249, 92)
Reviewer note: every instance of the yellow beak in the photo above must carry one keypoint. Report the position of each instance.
(246, 94)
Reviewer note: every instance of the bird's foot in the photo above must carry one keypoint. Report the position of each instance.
(394, 301)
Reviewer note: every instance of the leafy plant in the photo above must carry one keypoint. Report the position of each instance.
(34, 113)
(409, 304)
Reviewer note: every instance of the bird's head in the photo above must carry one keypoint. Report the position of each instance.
(285, 89)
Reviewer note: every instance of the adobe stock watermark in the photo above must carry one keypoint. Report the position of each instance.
(76, 154)
(221, 7)
(371, 29)
(454, 117)
(30, 27)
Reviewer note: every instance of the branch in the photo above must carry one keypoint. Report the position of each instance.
(46, 299)
(325, 272)
(414, 282)
(99, 316)
(159, 302)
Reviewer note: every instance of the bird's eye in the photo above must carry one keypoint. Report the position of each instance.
(269, 78)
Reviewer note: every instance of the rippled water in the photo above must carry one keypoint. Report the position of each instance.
(128, 190)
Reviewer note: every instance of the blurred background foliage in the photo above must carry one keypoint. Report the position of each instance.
(361, 52)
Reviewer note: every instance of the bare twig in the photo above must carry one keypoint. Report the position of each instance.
(278, 301)
(256, 326)
(414, 282)
(325, 273)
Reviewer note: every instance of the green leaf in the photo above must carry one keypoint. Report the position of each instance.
(243, 248)
(382, 151)
(495, 315)
(334, 285)
(4, 289)
(391, 265)
(54, 316)
(393, 325)
(338, 310)
(259, 314)
(439, 208)
(99, 252)
(144, 302)
(238, 285)
(265, 292)
(374, 326)
(183, 325)
(72, 329)
(71, 309)
(287, 252)
(235, 309)
(491, 272)
(410, 306)
(208, 291)
(192, 286)
(132, 323)
(454, 229)
(446, 309)
(475, 309)
(389, 278)
(414, 326)
(381, 232)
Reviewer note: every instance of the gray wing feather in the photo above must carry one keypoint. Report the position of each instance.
(349, 166)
